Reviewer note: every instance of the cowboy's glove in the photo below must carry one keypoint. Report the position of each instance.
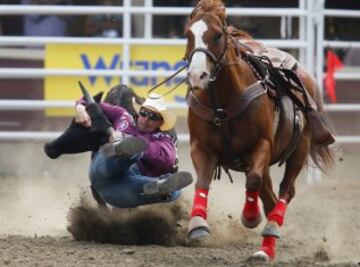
(81, 116)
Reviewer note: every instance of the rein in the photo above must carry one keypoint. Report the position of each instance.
(168, 79)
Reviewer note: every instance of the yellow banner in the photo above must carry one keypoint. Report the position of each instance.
(109, 57)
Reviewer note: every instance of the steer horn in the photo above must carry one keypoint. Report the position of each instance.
(88, 98)
(100, 121)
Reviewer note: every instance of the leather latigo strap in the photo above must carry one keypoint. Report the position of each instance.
(236, 109)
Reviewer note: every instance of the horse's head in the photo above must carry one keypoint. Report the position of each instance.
(206, 42)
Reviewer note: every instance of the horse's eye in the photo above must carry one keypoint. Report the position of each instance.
(217, 37)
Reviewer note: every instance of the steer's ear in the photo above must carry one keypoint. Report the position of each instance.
(98, 97)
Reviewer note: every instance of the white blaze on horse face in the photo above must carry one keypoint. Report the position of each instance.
(198, 74)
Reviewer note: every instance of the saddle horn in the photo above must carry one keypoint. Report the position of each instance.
(88, 98)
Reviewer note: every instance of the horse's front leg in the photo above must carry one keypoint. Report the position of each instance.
(204, 163)
(259, 167)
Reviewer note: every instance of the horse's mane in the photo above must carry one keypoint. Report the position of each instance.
(238, 33)
(210, 6)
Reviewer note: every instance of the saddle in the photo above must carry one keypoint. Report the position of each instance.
(280, 70)
(283, 69)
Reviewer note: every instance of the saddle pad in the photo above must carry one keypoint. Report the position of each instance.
(278, 58)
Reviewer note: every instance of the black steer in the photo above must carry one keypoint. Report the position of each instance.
(77, 139)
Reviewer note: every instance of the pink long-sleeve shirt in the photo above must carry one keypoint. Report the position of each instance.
(160, 156)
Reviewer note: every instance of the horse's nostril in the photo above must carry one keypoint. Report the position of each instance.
(204, 75)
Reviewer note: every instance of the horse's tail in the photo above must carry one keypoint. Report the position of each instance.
(323, 155)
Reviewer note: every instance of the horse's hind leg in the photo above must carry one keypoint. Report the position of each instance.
(287, 191)
(267, 194)
(259, 168)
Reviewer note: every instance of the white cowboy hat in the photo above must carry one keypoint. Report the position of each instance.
(157, 103)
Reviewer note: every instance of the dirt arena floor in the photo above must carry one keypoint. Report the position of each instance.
(47, 218)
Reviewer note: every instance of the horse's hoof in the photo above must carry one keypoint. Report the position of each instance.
(199, 234)
(198, 228)
(271, 229)
(260, 256)
(251, 223)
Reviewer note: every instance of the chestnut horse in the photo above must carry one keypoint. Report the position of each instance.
(239, 119)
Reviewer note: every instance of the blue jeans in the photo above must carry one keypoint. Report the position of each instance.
(120, 183)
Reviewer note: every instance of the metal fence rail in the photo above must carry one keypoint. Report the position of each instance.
(21, 41)
(135, 10)
(47, 136)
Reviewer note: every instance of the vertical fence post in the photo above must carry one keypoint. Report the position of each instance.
(319, 22)
(310, 36)
(148, 21)
(302, 34)
(127, 37)
(314, 174)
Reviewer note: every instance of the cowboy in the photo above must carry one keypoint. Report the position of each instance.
(135, 167)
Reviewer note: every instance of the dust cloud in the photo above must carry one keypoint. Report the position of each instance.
(155, 224)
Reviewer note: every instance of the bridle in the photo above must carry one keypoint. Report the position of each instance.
(219, 62)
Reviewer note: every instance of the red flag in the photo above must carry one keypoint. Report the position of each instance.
(333, 63)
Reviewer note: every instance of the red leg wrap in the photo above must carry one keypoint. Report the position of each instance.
(251, 208)
(200, 203)
(269, 246)
(278, 212)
